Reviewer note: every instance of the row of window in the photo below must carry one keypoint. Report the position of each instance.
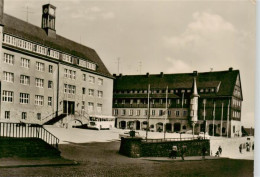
(25, 80)
(236, 114)
(69, 74)
(8, 96)
(92, 91)
(23, 115)
(25, 63)
(236, 102)
(91, 107)
(131, 112)
(14, 41)
(153, 101)
(202, 90)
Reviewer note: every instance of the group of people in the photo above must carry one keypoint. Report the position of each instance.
(247, 146)
(219, 151)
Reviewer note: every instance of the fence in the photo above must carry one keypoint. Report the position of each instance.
(171, 139)
(23, 130)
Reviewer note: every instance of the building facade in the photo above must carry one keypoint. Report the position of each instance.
(48, 78)
(177, 102)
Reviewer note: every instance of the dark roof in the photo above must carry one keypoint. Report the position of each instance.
(36, 34)
(226, 81)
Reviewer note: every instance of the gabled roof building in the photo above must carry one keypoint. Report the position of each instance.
(210, 100)
(45, 77)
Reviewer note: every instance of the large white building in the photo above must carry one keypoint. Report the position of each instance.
(45, 77)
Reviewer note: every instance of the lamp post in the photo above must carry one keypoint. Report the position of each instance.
(204, 116)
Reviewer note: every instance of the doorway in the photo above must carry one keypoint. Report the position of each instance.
(70, 105)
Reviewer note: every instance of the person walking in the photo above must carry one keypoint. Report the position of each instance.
(183, 150)
(240, 148)
(220, 150)
(204, 151)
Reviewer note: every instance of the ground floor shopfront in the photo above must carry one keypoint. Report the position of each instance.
(213, 128)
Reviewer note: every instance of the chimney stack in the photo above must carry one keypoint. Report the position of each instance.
(147, 74)
(161, 74)
(230, 69)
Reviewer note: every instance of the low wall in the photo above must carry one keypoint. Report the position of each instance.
(136, 147)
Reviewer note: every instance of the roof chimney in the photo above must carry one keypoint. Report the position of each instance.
(161, 74)
(147, 74)
(195, 73)
(230, 69)
(48, 19)
(1, 12)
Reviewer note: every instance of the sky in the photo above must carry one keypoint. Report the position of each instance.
(177, 36)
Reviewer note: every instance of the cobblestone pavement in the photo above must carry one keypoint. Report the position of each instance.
(102, 159)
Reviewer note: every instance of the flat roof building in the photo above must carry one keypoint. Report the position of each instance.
(45, 77)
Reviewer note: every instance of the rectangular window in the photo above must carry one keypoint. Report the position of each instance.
(178, 101)
(160, 112)
(123, 112)
(25, 63)
(40, 66)
(90, 107)
(169, 112)
(50, 69)
(177, 113)
(161, 101)
(185, 113)
(84, 77)
(91, 79)
(74, 75)
(7, 114)
(25, 80)
(39, 116)
(145, 112)
(123, 101)
(8, 96)
(24, 98)
(100, 81)
(131, 112)
(50, 84)
(39, 100)
(138, 101)
(131, 101)
(9, 59)
(83, 90)
(115, 112)
(65, 72)
(153, 112)
(83, 105)
(91, 92)
(138, 112)
(99, 108)
(100, 94)
(39, 82)
(49, 101)
(24, 115)
(8, 77)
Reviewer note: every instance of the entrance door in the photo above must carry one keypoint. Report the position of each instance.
(137, 125)
(70, 105)
(177, 127)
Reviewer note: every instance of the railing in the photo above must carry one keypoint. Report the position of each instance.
(171, 139)
(47, 118)
(23, 130)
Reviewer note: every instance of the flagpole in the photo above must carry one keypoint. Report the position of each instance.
(214, 119)
(221, 119)
(148, 115)
(228, 118)
(166, 112)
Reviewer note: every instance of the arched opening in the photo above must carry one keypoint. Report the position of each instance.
(211, 129)
(177, 127)
(168, 127)
(75, 123)
(122, 124)
(144, 125)
(137, 125)
(159, 127)
(130, 124)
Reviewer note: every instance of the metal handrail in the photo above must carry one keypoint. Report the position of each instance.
(25, 130)
(51, 115)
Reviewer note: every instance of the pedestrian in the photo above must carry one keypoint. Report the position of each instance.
(183, 150)
(204, 151)
(220, 150)
(217, 154)
(240, 148)
(173, 153)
